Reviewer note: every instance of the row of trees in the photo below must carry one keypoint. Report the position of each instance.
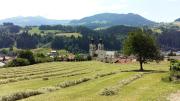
(169, 39)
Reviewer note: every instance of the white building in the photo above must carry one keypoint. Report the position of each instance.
(100, 54)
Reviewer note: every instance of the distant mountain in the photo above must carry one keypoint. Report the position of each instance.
(102, 20)
(35, 20)
(111, 19)
(177, 20)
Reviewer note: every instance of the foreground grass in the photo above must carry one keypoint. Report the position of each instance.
(147, 88)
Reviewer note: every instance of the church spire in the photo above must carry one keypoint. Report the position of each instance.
(100, 45)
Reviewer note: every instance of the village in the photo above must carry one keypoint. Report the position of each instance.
(96, 52)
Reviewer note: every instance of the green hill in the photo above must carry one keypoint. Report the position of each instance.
(112, 19)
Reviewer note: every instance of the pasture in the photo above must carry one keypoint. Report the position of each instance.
(55, 32)
(85, 81)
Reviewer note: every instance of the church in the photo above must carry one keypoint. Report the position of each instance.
(98, 52)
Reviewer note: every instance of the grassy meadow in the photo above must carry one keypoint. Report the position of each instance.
(64, 81)
(56, 32)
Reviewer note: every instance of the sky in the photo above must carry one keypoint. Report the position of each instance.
(155, 10)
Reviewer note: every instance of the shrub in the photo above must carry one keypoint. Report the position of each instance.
(42, 60)
(175, 70)
(4, 51)
(27, 55)
(18, 62)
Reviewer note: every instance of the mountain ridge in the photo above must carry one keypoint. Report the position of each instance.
(94, 21)
(111, 19)
(33, 21)
(177, 20)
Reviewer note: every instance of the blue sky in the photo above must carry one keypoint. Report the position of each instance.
(156, 10)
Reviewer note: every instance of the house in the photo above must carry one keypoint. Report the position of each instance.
(2, 64)
(99, 53)
(177, 53)
(174, 57)
(53, 54)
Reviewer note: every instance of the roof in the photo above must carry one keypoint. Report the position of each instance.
(175, 57)
(1, 64)
(53, 51)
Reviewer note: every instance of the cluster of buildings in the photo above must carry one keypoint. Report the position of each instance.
(171, 55)
(97, 52)
(4, 59)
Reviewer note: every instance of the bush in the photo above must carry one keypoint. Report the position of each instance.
(82, 57)
(18, 62)
(175, 70)
(42, 60)
(4, 51)
(27, 55)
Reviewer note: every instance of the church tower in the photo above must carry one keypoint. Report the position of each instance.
(100, 45)
(92, 48)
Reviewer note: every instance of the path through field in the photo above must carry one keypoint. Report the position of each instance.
(174, 96)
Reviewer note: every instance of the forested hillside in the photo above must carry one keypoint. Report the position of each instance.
(64, 37)
(170, 39)
(112, 19)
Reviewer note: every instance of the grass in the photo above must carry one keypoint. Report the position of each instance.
(37, 31)
(100, 76)
(69, 34)
(55, 32)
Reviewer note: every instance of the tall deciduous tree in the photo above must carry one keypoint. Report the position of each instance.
(142, 45)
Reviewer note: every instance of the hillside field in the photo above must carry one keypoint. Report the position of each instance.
(86, 81)
(56, 32)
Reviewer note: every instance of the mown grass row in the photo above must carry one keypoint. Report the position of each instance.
(33, 68)
(57, 69)
(109, 91)
(24, 94)
(11, 80)
(43, 74)
(33, 71)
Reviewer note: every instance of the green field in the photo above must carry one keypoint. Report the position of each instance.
(56, 32)
(69, 34)
(149, 87)
(37, 31)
